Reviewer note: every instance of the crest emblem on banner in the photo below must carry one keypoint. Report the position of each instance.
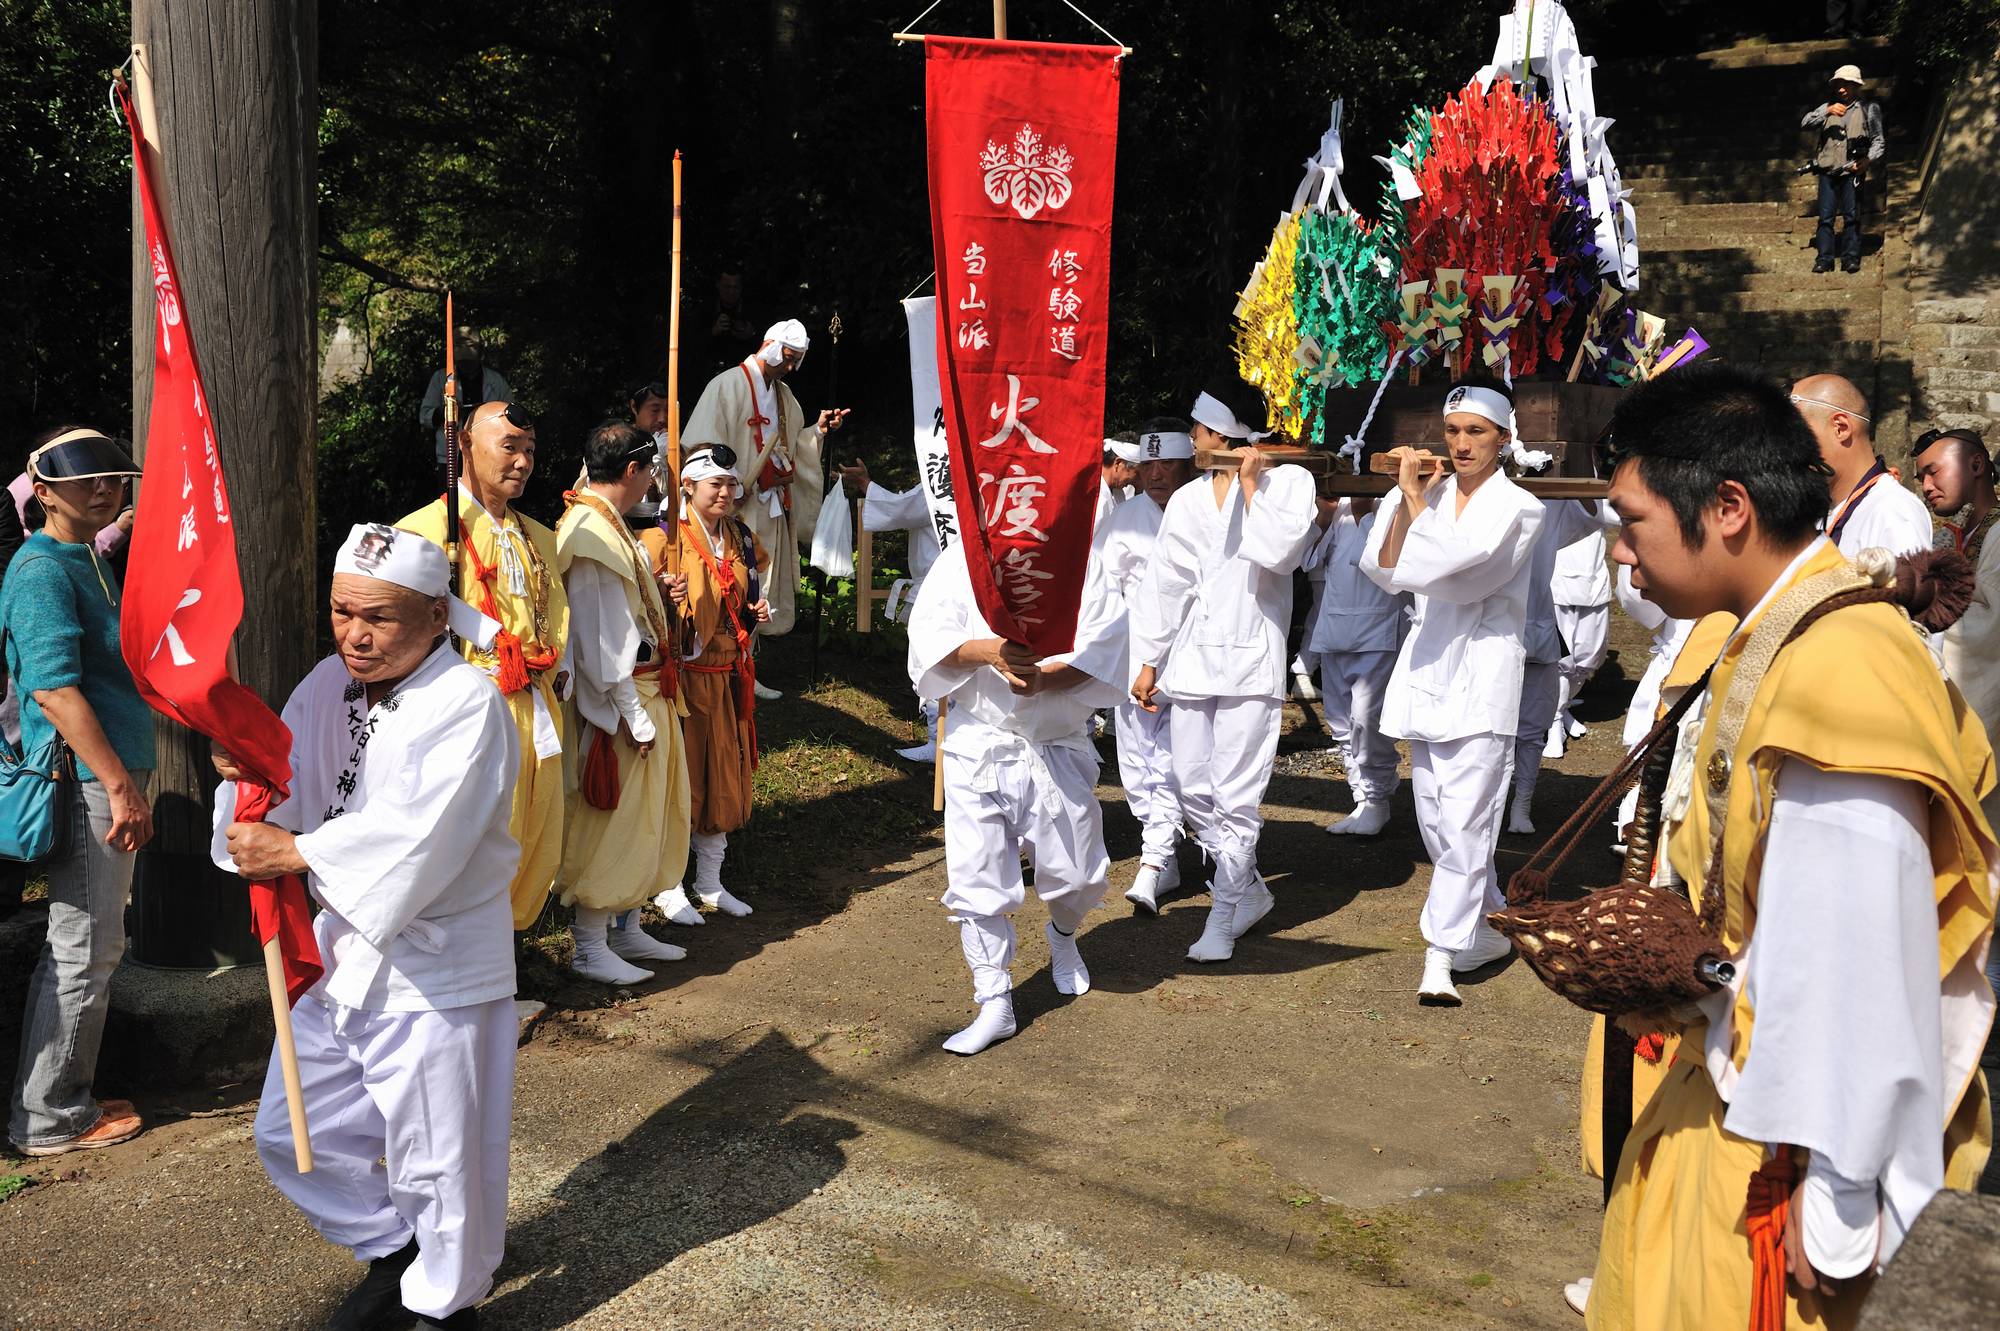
(1025, 175)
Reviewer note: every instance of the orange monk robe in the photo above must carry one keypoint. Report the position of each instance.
(538, 617)
(720, 733)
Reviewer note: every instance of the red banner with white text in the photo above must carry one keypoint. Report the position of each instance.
(184, 590)
(1023, 141)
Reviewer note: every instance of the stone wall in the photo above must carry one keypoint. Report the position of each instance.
(1953, 309)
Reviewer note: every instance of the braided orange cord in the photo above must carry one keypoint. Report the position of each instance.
(1768, 1207)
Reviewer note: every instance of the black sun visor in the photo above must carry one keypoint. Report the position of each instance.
(81, 455)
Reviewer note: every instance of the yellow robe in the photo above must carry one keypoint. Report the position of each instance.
(615, 859)
(537, 818)
(1703, 645)
(1859, 693)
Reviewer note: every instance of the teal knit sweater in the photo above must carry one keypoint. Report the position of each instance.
(62, 631)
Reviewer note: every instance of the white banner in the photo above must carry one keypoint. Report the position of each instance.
(927, 406)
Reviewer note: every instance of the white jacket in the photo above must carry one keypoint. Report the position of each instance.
(1218, 598)
(1459, 672)
(1354, 614)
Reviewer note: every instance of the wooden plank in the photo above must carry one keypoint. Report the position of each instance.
(1333, 479)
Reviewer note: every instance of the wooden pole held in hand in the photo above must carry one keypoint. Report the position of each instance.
(937, 759)
(288, 1055)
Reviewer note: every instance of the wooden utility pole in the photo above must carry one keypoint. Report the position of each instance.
(234, 85)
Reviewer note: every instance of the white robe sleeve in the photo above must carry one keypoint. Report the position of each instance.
(1278, 520)
(1456, 564)
(1643, 612)
(1846, 1057)
(1163, 596)
(1100, 640)
(604, 646)
(894, 510)
(943, 621)
(380, 867)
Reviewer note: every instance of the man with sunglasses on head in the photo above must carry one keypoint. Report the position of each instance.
(750, 408)
(507, 568)
(1870, 507)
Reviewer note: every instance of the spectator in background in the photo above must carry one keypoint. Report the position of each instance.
(478, 382)
(1870, 507)
(733, 335)
(1850, 137)
(59, 614)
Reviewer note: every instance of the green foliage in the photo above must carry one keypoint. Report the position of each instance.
(12, 1184)
(1939, 36)
(65, 229)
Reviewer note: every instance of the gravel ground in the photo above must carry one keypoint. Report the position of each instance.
(769, 1136)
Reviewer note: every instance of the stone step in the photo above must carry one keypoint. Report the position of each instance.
(1738, 187)
(1636, 167)
(1709, 284)
(1833, 292)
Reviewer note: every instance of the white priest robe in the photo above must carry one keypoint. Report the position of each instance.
(1355, 634)
(1456, 691)
(1212, 620)
(1888, 517)
(1020, 771)
(907, 511)
(406, 1045)
(1145, 747)
(763, 423)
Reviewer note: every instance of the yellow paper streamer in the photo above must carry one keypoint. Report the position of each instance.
(1267, 332)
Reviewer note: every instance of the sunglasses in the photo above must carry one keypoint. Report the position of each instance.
(516, 417)
(1929, 437)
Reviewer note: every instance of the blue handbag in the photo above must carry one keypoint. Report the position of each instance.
(34, 794)
(34, 801)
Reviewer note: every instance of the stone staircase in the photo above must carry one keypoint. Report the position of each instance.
(1710, 147)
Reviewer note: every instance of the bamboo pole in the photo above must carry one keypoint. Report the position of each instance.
(670, 485)
(274, 962)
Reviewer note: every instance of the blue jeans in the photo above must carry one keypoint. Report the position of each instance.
(70, 991)
(1841, 194)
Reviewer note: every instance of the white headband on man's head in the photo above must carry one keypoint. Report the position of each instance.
(389, 554)
(1123, 451)
(1218, 416)
(1165, 445)
(1481, 402)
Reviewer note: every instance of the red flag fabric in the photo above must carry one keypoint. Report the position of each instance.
(184, 591)
(1023, 141)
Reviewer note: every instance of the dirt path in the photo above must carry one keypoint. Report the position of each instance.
(772, 1138)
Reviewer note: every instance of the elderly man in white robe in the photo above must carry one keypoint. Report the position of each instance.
(403, 763)
(1208, 633)
(1463, 545)
(750, 407)
(1871, 509)
(1145, 742)
(1020, 774)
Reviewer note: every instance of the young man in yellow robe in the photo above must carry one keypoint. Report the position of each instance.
(506, 569)
(1819, 1100)
(627, 838)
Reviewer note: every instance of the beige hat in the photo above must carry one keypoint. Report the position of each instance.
(1849, 74)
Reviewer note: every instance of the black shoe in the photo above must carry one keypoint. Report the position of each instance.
(379, 1297)
(465, 1319)
(1850, 266)
(1823, 265)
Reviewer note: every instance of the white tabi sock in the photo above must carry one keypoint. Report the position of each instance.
(1145, 890)
(1368, 819)
(1218, 937)
(708, 851)
(1557, 742)
(674, 904)
(1252, 905)
(994, 1023)
(1436, 988)
(988, 944)
(1519, 821)
(633, 943)
(594, 958)
(1065, 962)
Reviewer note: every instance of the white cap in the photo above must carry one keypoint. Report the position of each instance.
(1165, 446)
(1125, 452)
(406, 559)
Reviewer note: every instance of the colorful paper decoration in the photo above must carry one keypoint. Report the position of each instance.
(1267, 332)
(1451, 301)
(1499, 314)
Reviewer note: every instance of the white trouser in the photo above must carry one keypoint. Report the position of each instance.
(995, 807)
(1459, 786)
(409, 1114)
(1350, 691)
(1222, 750)
(1541, 683)
(1587, 630)
(1146, 769)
